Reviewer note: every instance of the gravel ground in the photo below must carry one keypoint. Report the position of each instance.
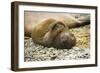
(35, 52)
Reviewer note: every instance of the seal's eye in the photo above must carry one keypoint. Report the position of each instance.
(58, 26)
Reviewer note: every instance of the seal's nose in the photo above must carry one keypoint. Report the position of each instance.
(67, 40)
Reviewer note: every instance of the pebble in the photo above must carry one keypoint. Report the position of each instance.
(35, 52)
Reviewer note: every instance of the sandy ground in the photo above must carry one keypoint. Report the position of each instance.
(35, 52)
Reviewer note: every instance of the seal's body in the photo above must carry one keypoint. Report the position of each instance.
(52, 33)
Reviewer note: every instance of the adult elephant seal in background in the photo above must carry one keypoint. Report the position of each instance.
(71, 21)
(52, 33)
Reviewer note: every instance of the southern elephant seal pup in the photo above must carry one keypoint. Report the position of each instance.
(52, 33)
